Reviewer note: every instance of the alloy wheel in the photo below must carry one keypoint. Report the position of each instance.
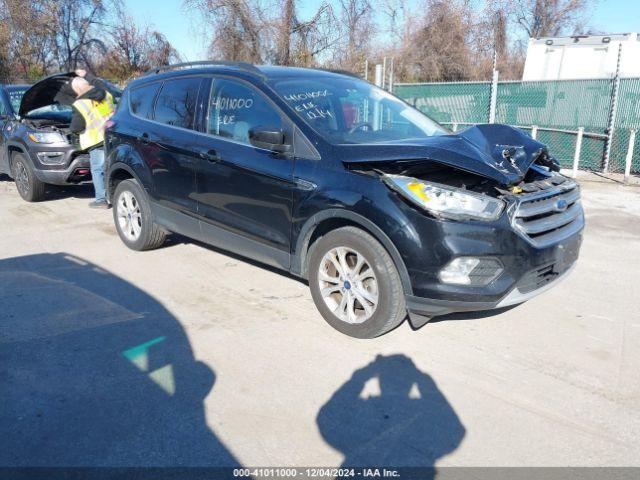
(348, 285)
(129, 216)
(22, 178)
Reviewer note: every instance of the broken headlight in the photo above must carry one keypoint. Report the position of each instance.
(47, 137)
(445, 201)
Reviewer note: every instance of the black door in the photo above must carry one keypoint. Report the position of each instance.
(244, 192)
(168, 144)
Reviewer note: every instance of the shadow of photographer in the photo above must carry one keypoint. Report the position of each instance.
(95, 372)
(390, 414)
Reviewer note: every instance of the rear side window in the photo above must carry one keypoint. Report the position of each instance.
(176, 104)
(141, 99)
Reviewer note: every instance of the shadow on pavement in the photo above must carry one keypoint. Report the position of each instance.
(473, 315)
(95, 372)
(59, 192)
(390, 414)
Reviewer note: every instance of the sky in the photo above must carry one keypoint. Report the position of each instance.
(188, 34)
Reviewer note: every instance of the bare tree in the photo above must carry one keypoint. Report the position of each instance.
(396, 13)
(159, 50)
(237, 25)
(73, 27)
(285, 32)
(544, 18)
(440, 45)
(132, 48)
(27, 44)
(315, 37)
(357, 28)
(430, 40)
(5, 36)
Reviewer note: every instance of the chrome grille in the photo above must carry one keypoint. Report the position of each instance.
(550, 216)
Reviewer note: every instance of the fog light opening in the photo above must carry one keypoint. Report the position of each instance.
(472, 271)
(51, 158)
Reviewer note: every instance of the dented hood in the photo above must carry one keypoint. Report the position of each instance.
(494, 151)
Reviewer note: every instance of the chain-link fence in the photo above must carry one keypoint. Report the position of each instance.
(552, 111)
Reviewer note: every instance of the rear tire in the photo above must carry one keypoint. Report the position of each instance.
(30, 188)
(133, 218)
(355, 284)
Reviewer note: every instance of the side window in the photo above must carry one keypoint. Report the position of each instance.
(235, 108)
(141, 99)
(176, 104)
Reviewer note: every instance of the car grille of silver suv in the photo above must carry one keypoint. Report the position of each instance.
(547, 217)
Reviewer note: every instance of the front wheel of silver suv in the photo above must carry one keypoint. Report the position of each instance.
(133, 218)
(355, 284)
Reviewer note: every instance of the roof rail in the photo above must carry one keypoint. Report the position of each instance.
(341, 72)
(241, 65)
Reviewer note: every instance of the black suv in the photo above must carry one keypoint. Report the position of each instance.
(36, 146)
(380, 208)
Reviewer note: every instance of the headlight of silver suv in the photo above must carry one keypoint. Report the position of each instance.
(47, 137)
(445, 201)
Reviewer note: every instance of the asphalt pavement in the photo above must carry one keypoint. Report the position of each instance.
(189, 356)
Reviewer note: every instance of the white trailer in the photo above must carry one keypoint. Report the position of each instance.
(582, 56)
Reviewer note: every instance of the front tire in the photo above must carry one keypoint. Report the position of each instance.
(30, 188)
(355, 284)
(133, 218)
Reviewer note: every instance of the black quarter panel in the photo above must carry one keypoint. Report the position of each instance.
(121, 151)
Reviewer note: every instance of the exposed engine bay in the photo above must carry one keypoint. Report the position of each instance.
(541, 175)
(45, 125)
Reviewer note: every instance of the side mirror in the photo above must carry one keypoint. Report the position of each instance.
(269, 138)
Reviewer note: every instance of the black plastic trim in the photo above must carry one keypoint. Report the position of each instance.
(184, 224)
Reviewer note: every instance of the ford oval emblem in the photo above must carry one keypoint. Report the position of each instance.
(561, 205)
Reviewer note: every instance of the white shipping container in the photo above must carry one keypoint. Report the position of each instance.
(583, 56)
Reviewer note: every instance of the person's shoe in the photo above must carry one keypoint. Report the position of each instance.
(99, 204)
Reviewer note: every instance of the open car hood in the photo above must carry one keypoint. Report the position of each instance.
(480, 149)
(46, 92)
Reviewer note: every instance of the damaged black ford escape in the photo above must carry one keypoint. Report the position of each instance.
(381, 209)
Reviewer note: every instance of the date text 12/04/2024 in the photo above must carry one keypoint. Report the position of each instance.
(316, 472)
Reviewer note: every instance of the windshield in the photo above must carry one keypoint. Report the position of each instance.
(15, 97)
(55, 111)
(344, 110)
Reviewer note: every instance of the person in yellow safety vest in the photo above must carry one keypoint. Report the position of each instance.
(92, 109)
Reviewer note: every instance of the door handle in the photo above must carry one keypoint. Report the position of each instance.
(210, 156)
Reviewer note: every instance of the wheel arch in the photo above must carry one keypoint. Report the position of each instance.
(328, 220)
(12, 149)
(123, 163)
(117, 173)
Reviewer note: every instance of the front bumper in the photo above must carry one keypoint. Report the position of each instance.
(75, 168)
(422, 309)
(529, 272)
